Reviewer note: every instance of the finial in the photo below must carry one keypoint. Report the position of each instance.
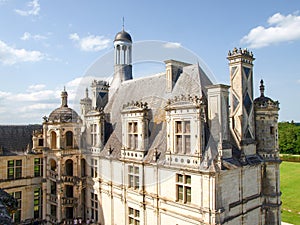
(86, 92)
(64, 88)
(123, 23)
(262, 88)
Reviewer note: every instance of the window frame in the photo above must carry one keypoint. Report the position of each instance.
(14, 169)
(184, 188)
(133, 177)
(94, 207)
(133, 134)
(17, 215)
(182, 136)
(93, 129)
(133, 216)
(38, 167)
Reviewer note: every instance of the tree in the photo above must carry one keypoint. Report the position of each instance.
(289, 137)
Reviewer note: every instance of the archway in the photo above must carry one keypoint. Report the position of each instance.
(69, 139)
(69, 167)
(53, 140)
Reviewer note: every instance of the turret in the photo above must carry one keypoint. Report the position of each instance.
(266, 123)
(85, 103)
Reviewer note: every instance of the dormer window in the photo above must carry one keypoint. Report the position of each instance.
(185, 115)
(135, 130)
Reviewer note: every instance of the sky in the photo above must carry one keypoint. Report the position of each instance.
(48, 45)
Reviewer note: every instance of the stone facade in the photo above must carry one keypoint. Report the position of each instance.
(165, 149)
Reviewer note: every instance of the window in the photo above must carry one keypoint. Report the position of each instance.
(94, 206)
(272, 130)
(133, 216)
(69, 139)
(182, 137)
(183, 188)
(14, 169)
(38, 167)
(17, 214)
(93, 134)
(94, 168)
(133, 177)
(38, 203)
(41, 142)
(69, 191)
(52, 187)
(133, 135)
(53, 210)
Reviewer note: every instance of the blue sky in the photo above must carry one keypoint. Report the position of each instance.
(46, 45)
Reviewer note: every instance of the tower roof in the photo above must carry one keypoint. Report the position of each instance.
(123, 36)
(262, 101)
(63, 113)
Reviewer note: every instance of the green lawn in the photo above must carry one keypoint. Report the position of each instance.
(290, 188)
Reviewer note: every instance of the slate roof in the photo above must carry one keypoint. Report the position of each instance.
(15, 140)
(152, 90)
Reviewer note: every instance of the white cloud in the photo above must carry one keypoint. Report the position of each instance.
(36, 87)
(10, 55)
(4, 94)
(281, 29)
(38, 100)
(34, 9)
(90, 43)
(27, 36)
(38, 107)
(172, 45)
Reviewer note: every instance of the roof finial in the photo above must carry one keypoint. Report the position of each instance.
(86, 92)
(262, 88)
(123, 23)
(64, 88)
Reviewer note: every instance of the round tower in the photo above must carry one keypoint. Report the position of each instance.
(266, 127)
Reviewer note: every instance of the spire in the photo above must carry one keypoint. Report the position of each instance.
(123, 23)
(86, 93)
(64, 98)
(262, 88)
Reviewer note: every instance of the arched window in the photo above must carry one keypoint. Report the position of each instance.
(69, 139)
(69, 167)
(52, 165)
(53, 140)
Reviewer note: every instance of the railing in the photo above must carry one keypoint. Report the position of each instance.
(53, 174)
(52, 219)
(68, 221)
(69, 201)
(53, 198)
(69, 179)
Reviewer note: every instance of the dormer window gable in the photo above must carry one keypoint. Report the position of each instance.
(135, 129)
(185, 116)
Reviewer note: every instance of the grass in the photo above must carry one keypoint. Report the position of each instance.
(290, 188)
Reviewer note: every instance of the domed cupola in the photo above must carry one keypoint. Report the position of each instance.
(262, 101)
(122, 59)
(123, 36)
(63, 113)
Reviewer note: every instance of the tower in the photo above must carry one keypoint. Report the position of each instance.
(266, 124)
(85, 103)
(241, 98)
(122, 58)
(100, 94)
